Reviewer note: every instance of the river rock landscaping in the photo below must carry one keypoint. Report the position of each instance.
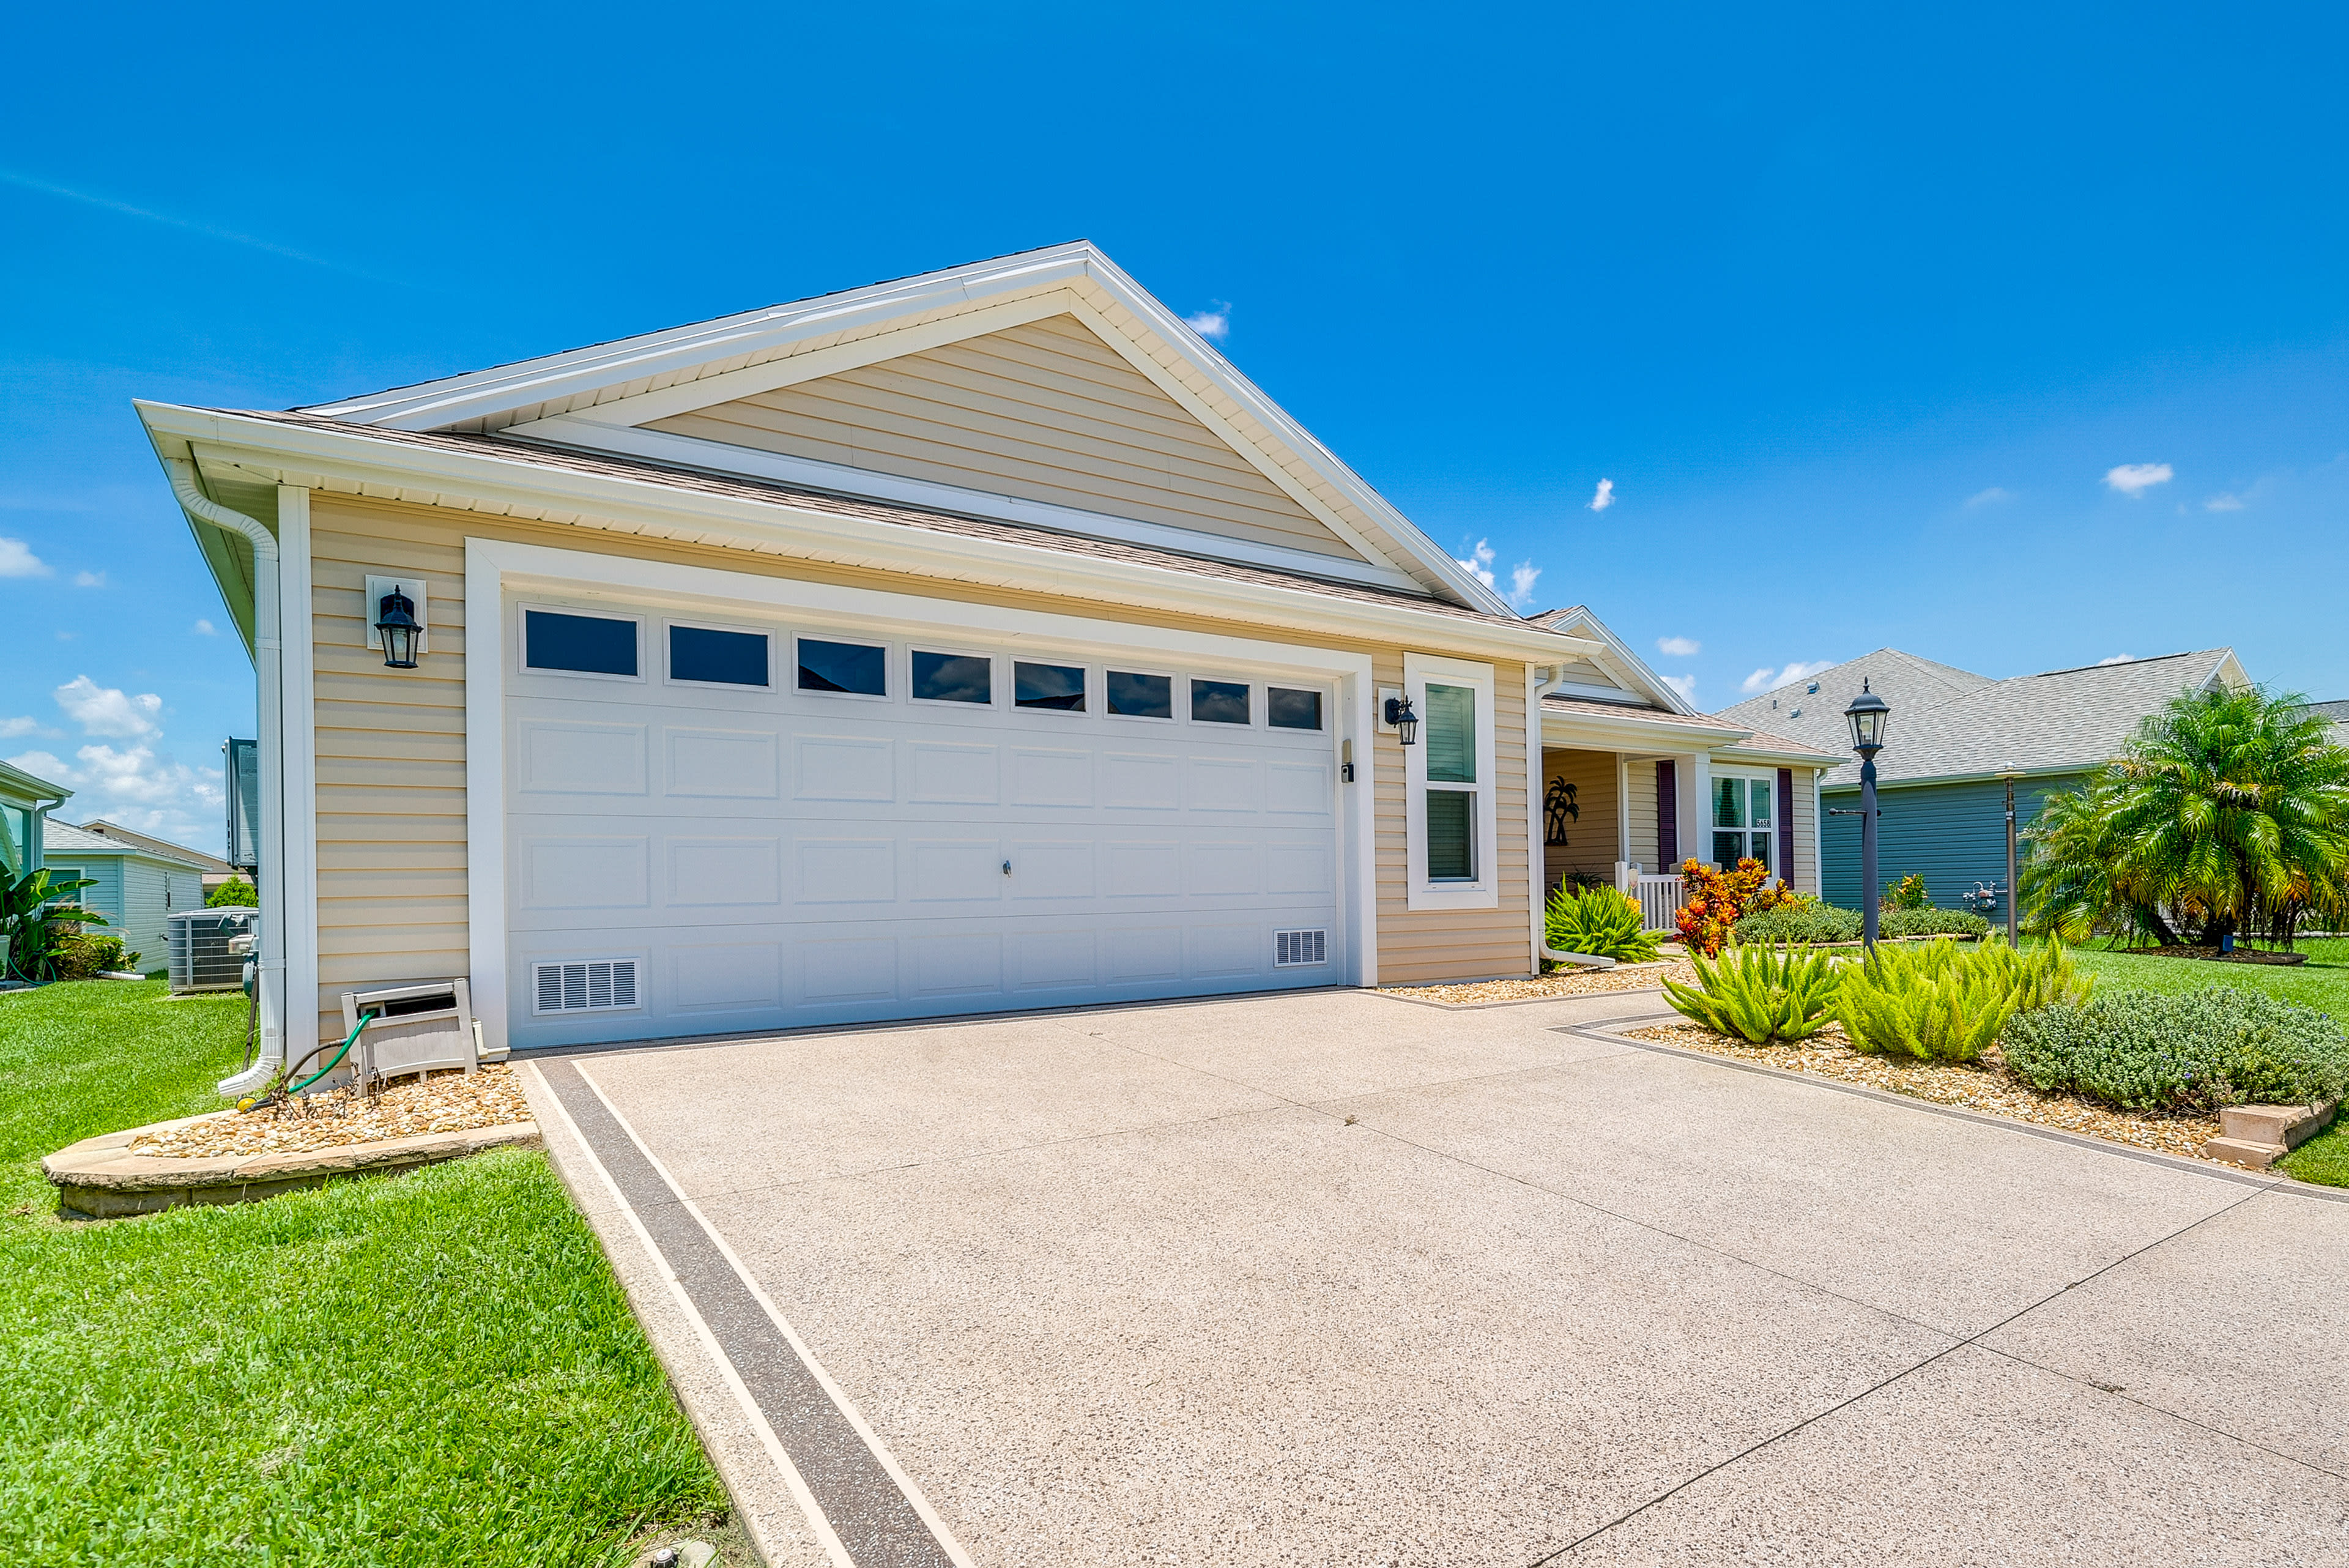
(445, 1102)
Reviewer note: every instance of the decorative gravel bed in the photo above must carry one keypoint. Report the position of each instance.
(1986, 1087)
(1558, 983)
(445, 1102)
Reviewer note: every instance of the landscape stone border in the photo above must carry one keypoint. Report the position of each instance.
(99, 1178)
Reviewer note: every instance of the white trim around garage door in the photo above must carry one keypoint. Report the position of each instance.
(494, 568)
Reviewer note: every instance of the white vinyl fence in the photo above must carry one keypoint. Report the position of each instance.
(1659, 901)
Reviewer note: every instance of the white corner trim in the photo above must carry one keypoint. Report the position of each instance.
(495, 569)
(1485, 891)
(297, 716)
(694, 452)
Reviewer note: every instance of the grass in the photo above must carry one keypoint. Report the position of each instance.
(2322, 984)
(426, 1369)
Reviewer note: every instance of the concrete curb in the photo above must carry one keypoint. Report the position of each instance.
(1521, 1000)
(1609, 1031)
(97, 1179)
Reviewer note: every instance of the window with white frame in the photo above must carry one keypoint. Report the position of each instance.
(1452, 832)
(1745, 820)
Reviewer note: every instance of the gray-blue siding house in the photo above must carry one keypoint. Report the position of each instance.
(1952, 734)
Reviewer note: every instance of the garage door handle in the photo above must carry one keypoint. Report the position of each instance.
(1007, 868)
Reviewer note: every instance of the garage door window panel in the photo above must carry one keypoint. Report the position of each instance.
(843, 669)
(719, 656)
(965, 679)
(1286, 708)
(1221, 703)
(1049, 688)
(565, 642)
(1136, 694)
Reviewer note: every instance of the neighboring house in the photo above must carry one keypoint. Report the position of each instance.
(1634, 781)
(137, 888)
(1952, 736)
(2338, 711)
(216, 871)
(25, 805)
(978, 640)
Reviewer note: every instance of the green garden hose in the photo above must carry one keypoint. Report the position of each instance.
(290, 1087)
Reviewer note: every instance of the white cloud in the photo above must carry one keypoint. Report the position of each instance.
(2134, 479)
(1521, 583)
(24, 726)
(89, 579)
(1478, 562)
(2119, 659)
(1768, 680)
(136, 787)
(1678, 646)
(1214, 324)
(1604, 496)
(108, 710)
(206, 629)
(1683, 684)
(2223, 504)
(17, 560)
(1991, 497)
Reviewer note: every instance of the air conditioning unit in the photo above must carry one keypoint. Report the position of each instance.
(207, 952)
(416, 1029)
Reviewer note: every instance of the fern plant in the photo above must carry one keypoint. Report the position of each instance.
(1933, 1000)
(1759, 993)
(1600, 921)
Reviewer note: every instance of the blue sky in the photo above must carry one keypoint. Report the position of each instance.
(1857, 309)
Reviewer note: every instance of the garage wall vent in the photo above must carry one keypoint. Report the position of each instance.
(604, 985)
(1290, 949)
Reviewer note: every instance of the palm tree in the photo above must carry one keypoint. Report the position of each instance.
(2228, 812)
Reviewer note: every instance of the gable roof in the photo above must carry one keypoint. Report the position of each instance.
(65, 838)
(2062, 721)
(1615, 664)
(1810, 711)
(604, 397)
(212, 864)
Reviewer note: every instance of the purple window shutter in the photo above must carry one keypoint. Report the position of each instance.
(1668, 818)
(1787, 826)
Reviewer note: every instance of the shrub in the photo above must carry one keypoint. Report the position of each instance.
(1934, 1001)
(1904, 922)
(1602, 921)
(1801, 921)
(2146, 1052)
(1759, 993)
(1907, 893)
(237, 891)
(79, 955)
(1716, 900)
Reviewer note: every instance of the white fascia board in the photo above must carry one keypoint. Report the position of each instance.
(1589, 731)
(1645, 680)
(1743, 754)
(354, 462)
(692, 451)
(481, 393)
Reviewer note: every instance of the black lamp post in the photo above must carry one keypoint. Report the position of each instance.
(1867, 716)
(1405, 721)
(2012, 910)
(396, 619)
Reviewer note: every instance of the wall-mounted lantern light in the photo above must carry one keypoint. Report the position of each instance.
(396, 619)
(1405, 721)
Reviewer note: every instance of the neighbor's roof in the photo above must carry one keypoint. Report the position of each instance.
(607, 465)
(2055, 722)
(211, 864)
(1810, 711)
(2338, 711)
(65, 838)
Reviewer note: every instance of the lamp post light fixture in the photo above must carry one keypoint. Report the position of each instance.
(396, 619)
(1405, 721)
(1867, 715)
(2012, 910)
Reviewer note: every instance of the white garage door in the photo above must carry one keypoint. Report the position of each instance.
(720, 826)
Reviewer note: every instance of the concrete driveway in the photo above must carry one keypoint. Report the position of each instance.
(1335, 1278)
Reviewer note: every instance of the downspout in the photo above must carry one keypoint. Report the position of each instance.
(268, 657)
(1539, 680)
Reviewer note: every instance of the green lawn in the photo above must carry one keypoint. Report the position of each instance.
(428, 1369)
(2322, 983)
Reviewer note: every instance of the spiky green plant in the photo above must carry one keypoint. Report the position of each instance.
(1758, 992)
(2227, 811)
(1600, 921)
(1933, 1001)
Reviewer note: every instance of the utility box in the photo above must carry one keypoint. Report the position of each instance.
(202, 956)
(416, 1029)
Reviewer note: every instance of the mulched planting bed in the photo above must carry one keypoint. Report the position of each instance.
(445, 1102)
(1559, 982)
(1983, 1087)
(2212, 955)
